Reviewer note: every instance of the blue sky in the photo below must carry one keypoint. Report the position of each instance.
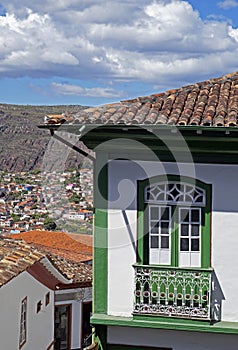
(92, 52)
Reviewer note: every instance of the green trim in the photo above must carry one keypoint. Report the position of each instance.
(207, 144)
(100, 259)
(142, 244)
(143, 232)
(126, 347)
(168, 267)
(165, 323)
(77, 128)
(206, 228)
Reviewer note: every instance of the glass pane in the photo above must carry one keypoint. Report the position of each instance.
(164, 241)
(195, 245)
(161, 197)
(195, 230)
(174, 193)
(154, 241)
(184, 215)
(184, 244)
(165, 213)
(195, 215)
(154, 228)
(154, 213)
(189, 198)
(184, 229)
(165, 228)
(199, 199)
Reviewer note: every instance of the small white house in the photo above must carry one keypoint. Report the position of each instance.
(45, 302)
(27, 305)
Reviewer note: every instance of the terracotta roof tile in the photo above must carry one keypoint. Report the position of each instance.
(78, 272)
(58, 243)
(64, 253)
(15, 257)
(82, 238)
(210, 103)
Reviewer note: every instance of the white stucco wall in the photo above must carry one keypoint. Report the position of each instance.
(122, 195)
(40, 332)
(177, 340)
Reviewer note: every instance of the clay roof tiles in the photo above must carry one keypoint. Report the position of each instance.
(209, 103)
(16, 257)
(78, 272)
(57, 243)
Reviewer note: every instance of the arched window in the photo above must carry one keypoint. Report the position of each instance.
(174, 222)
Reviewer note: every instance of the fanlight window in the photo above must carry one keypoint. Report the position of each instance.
(175, 193)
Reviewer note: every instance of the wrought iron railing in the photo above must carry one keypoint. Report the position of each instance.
(176, 292)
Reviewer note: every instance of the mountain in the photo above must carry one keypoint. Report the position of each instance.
(22, 143)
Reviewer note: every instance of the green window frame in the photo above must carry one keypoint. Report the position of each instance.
(202, 204)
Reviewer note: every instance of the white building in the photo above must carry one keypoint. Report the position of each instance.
(43, 301)
(166, 213)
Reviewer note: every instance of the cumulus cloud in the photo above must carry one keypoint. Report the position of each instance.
(227, 4)
(69, 89)
(100, 40)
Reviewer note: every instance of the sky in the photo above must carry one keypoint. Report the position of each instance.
(92, 52)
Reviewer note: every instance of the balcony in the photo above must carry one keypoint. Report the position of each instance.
(173, 292)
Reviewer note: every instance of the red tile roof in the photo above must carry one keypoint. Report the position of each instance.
(82, 238)
(77, 272)
(17, 256)
(209, 103)
(74, 273)
(57, 243)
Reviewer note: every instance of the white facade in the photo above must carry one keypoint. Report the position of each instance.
(122, 229)
(176, 340)
(39, 326)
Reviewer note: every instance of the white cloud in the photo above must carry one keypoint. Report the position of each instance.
(227, 4)
(144, 40)
(68, 89)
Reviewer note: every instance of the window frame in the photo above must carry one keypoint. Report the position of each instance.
(23, 323)
(143, 217)
(47, 299)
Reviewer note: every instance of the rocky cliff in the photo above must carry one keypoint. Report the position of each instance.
(22, 143)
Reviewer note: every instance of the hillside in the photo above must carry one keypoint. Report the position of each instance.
(22, 144)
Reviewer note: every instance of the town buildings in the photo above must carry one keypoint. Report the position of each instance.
(165, 245)
(26, 201)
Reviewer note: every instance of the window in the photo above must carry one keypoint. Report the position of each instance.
(23, 324)
(47, 298)
(38, 306)
(174, 222)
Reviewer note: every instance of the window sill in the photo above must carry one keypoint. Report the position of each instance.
(165, 323)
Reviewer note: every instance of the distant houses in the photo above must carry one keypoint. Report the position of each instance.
(24, 206)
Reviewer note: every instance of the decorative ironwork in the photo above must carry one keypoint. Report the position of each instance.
(175, 193)
(172, 292)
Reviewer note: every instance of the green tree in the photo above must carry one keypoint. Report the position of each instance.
(49, 224)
